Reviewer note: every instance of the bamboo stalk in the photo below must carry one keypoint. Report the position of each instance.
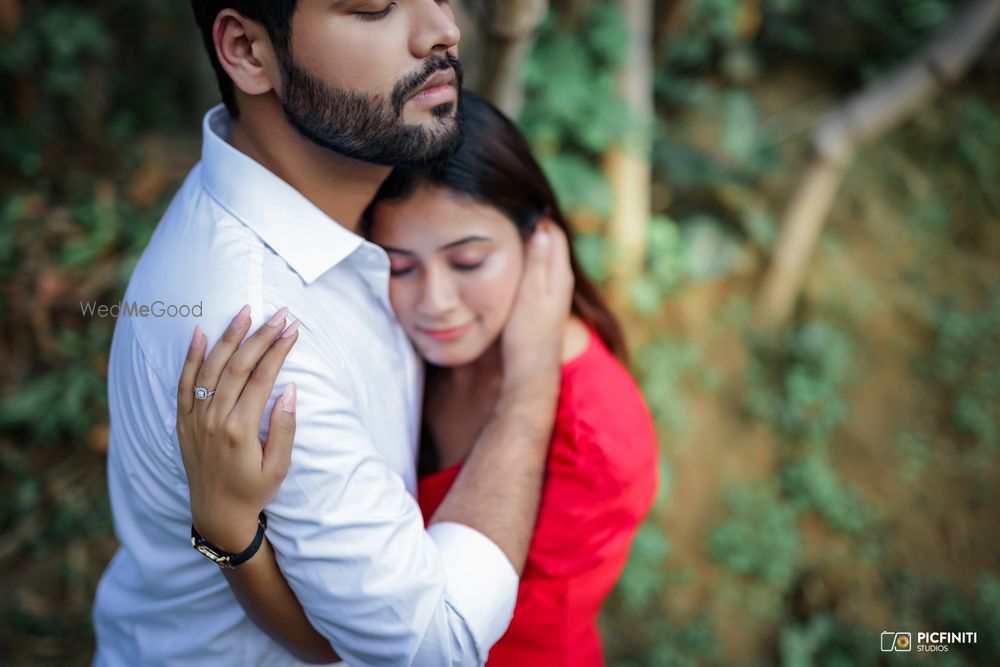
(862, 119)
(627, 164)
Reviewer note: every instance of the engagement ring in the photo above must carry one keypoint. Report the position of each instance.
(202, 393)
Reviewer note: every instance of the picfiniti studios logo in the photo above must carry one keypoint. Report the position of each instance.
(928, 642)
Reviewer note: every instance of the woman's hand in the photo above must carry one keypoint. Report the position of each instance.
(231, 473)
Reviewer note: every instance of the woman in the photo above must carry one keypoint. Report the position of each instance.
(454, 236)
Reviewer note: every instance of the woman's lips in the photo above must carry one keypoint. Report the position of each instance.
(446, 334)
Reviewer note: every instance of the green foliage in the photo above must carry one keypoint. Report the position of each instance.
(797, 382)
(68, 400)
(914, 449)
(760, 539)
(811, 483)
(978, 139)
(885, 32)
(70, 88)
(575, 112)
(592, 254)
(964, 361)
(578, 183)
(643, 582)
(664, 365)
(821, 641)
(666, 266)
(938, 603)
(666, 643)
(571, 82)
(59, 48)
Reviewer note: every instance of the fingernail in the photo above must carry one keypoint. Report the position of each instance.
(288, 398)
(242, 317)
(277, 317)
(542, 236)
(196, 339)
(291, 329)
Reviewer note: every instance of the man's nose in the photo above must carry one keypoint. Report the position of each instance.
(434, 29)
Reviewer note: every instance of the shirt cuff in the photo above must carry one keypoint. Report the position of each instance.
(480, 583)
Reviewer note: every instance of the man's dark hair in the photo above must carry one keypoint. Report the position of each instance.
(274, 15)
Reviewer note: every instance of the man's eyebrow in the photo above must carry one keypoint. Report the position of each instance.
(462, 241)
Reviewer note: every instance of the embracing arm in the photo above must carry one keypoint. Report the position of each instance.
(499, 487)
(265, 595)
(348, 535)
(258, 584)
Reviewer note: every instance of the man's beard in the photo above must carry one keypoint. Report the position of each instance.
(371, 129)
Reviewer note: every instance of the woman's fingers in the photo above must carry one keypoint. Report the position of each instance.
(278, 451)
(210, 371)
(240, 365)
(193, 361)
(250, 406)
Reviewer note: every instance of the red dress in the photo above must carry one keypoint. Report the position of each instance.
(601, 478)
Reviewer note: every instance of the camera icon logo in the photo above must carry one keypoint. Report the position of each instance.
(895, 641)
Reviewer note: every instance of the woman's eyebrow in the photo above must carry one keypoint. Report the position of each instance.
(467, 239)
(446, 246)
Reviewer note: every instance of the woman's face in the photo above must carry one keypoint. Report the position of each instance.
(455, 269)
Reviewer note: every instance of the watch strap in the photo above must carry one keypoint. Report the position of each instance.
(224, 558)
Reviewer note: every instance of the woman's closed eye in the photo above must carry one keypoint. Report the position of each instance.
(467, 261)
(376, 15)
(400, 266)
(464, 266)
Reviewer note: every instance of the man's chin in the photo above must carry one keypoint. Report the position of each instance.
(430, 117)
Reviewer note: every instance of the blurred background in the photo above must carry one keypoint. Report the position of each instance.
(794, 205)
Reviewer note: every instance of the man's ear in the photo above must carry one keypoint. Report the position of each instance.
(245, 52)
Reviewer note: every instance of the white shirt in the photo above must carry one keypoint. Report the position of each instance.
(345, 526)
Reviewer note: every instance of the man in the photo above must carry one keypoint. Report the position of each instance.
(322, 98)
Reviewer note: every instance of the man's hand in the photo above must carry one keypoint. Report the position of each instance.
(532, 338)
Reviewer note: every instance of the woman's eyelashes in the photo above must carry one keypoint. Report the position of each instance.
(467, 266)
(400, 267)
(467, 260)
(375, 16)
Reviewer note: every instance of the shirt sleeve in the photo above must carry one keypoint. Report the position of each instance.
(351, 541)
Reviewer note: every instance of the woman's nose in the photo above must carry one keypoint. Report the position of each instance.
(440, 294)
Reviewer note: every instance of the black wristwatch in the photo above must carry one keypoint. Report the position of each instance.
(224, 558)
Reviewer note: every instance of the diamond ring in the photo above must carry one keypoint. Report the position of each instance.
(202, 393)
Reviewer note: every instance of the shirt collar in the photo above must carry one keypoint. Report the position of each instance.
(306, 238)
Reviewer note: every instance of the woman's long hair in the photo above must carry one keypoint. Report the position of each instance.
(494, 166)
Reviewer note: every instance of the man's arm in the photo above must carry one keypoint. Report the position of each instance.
(499, 487)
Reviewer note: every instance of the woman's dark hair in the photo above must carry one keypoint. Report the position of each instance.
(274, 15)
(494, 166)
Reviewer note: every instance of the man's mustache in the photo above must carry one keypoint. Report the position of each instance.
(412, 82)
